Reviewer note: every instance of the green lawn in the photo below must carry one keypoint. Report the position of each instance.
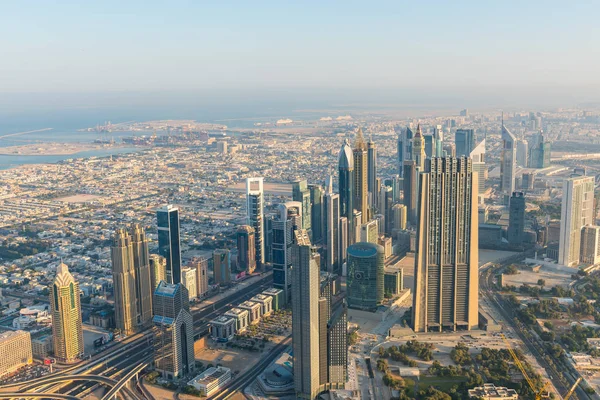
(443, 383)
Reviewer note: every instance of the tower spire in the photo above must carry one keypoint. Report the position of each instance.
(360, 140)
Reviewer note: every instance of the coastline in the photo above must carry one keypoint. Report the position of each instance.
(55, 149)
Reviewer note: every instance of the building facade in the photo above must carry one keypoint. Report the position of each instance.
(222, 266)
(360, 188)
(254, 210)
(516, 219)
(508, 161)
(577, 211)
(246, 248)
(124, 284)
(15, 351)
(169, 245)
(365, 276)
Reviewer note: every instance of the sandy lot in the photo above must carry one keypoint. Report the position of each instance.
(78, 198)
(554, 276)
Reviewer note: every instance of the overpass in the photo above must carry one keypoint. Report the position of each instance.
(112, 393)
(37, 396)
(67, 379)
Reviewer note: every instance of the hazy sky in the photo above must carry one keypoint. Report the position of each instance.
(92, 46)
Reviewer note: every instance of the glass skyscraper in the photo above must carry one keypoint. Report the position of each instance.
(365, 279)
(168, 241)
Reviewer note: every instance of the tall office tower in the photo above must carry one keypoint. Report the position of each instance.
(305, 317)
(254, 208)
(385, 208)
(429, 145)
(360, 176)
(143, 275)
(405, 148)
(410, 191)
(372, 173)
(268, 235)
(522, 153)
(346, 182)
(288, 221)
(189, 279)
(465, 142)
(123, 271)
(246, 249)
(508, 160)
(316, 212)
(168, 241)
(201, 266)
(67, 333)
(158, 270)
(344, 243)
(357, 221)
(399, 214)
(301, 193)
(577, 210)
(395, 183)
(516, 219)
(337, 346)
(369, 232)
(365, 277)
(419, 150)
(590, 245)
(173, 331)
(438, 141)
(479, 167)
(540, 153)
(222, 266)
(331, 229)
(446, 269)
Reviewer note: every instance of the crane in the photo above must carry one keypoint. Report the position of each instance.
(538, 394)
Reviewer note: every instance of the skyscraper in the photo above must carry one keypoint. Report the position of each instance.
(446, 260)
(289, 220)
(65, 306)
(305, 317)
(332, 230)
(365, 278)
(577, 210)
(301, 193)
(360, 189)
(372, 173)
(508, 160)
(189, 279)
(522, 153)
(173, 331)
(540, 152)
(168, 241)
(399, 214)
(410, 191)
(158, 270)
(479, 167)
(438, 141)
(222, 266)
(590, 245)
(254, 208)
(465, 142)
(246, 249)
(124, 282)
(346, 183)
(201, 266)
(369, 232)
(143, 279)
(419, 150)
(316, 200)
(343, 247)
(516, 219)
(385, 208)
(405, 148)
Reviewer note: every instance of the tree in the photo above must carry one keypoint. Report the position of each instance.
(541, 282)
(512, 270)
(382, 365)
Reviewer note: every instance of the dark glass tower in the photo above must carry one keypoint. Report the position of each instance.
(465, 142)
(365, 279)
(346, 183)
(316, 212)
(516, 219)
(168, 241)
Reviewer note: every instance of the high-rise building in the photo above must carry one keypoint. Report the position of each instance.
(143, 275)
(289, 220)
(577, 211)
(337, 346)
(419, 154)
(173, 331)
(316, 212)
(590, 245)
(508, 161)
(201, 266)
(305, 317)
(301, 194)
(158, 270)
(360, 189)
(332, 231)
(410, 191)
(399, 213)
(222, 266)
(254, 209)
(372, 173)
(124, 284)
(168, 241)
(438, 141)
(189, 279)
(464, 141)
(446, 260)
(405, 147)
(369, 232)
(365, 277)
(345, 183)
(343, 247)
(479, 167)
(246, 248)
(522, 153)
(516, 219)
(428, 142)
(540, 152)
(15, 351)
(385, 208)
(65, 305)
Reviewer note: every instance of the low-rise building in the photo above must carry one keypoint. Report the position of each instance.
(222, 328)
(254, 311)
(489, 391)
(241, 318)
(15, 351)
(266, 303)
(277, 294)
(211, 380)
(42, 346)
(392, 281)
